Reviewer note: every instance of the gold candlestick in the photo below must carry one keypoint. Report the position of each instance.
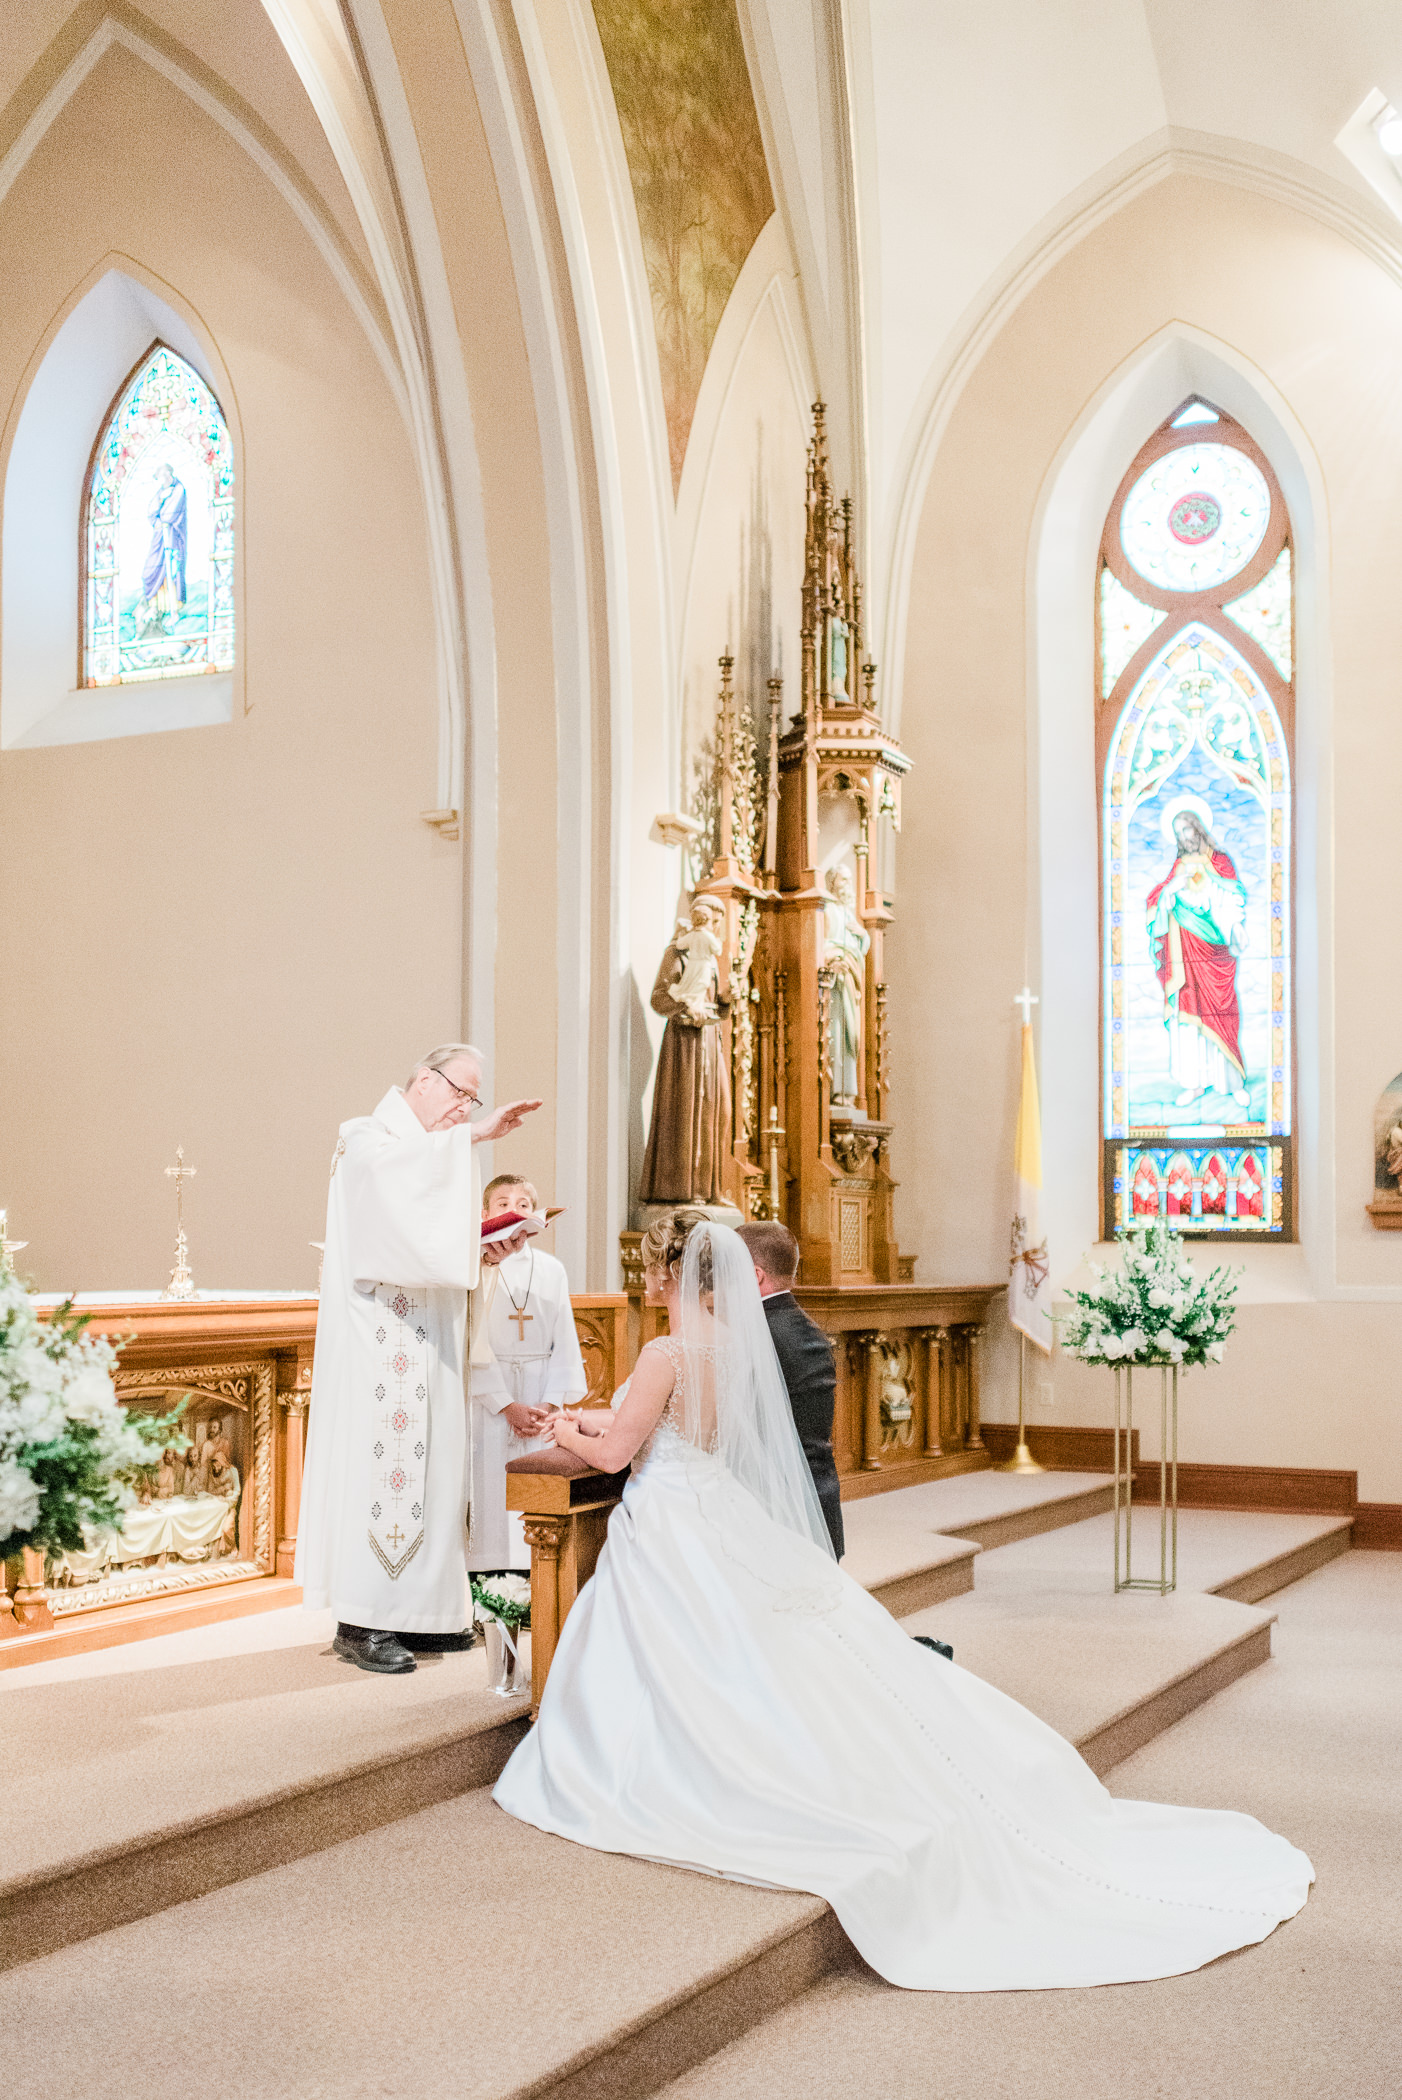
(774, 1134)
(182, 1283)
(8, 1246)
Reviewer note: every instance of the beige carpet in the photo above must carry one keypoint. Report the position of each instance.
(1312, 1744)
(455, 1953)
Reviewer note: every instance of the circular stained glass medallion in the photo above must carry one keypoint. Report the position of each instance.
(1195, 517)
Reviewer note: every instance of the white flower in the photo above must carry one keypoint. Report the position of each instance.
(1168, 1344)
(19, 1499)
(1113, 1346)
(1159, 1298)
(34, 1417)
(1135, 1341)
(1214, 1352)
(29, 1368)
(88, 1394)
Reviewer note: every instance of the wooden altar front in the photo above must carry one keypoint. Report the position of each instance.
(247, 1365)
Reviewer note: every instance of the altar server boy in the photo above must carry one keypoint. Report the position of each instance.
(531, 1331)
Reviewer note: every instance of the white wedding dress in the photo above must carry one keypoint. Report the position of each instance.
(724, 1698)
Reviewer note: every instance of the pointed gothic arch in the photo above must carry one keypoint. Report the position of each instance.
(157, 531)
(1194, 700)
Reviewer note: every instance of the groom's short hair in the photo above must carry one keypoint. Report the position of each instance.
(773, 1248)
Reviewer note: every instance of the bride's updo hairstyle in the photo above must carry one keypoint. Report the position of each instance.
(664, 1244)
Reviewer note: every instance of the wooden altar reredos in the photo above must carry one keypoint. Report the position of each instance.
(798, 826)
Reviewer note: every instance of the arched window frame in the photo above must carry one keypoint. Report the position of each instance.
(98, 657)
(1123, 1146)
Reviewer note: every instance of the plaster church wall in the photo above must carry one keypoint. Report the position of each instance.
(1310, 1377)
(230, 937)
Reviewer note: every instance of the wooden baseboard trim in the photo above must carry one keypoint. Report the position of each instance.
(1294, 1490)
(1377, 1527)
(1059, 1448)
(1303, 1491)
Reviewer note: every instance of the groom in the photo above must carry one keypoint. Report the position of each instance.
(805, 1358)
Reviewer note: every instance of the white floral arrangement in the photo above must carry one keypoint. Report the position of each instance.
(503, 1597)
(1153, 1310)
(69, 1451)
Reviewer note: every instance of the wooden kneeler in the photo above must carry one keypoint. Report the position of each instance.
(565, 1506)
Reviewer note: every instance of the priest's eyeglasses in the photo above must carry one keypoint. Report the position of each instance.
(463, 1093)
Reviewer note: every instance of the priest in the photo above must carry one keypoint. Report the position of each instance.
(382, 1534)
(535, 1366)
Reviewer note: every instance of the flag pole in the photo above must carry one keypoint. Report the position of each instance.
(1022, 1460)
(1025, 1247)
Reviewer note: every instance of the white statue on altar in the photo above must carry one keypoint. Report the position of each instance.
(847, 945)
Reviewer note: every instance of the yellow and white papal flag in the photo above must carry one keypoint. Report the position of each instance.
(1029, 1293)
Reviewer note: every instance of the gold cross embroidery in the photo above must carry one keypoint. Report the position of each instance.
(396, 1538)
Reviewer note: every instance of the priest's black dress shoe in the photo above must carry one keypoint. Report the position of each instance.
(372, 1648)
(940, 1647)
(440, 1643)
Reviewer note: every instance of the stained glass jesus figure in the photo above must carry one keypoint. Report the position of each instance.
(163, 575)
(1197, 921)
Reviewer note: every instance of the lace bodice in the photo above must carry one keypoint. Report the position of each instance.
(672, 1425)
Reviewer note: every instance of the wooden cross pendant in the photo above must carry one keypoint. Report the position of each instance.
(519, 1314)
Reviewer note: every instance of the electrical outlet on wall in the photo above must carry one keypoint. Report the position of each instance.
(1046, 1393)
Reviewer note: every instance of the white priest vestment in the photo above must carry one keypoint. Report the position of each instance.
(382, 1533)
(530, 1326)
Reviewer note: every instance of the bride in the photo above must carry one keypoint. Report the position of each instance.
(724, 1698)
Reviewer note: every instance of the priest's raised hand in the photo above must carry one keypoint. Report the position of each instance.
(383, 1530)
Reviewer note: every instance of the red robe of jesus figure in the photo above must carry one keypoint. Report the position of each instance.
(1197, 920)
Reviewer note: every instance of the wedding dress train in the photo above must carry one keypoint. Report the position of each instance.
(724, 1698)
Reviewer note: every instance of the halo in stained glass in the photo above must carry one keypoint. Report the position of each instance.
(1195, 517)
(159, 592)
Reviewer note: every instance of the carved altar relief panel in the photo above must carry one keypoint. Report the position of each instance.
(204, 1516)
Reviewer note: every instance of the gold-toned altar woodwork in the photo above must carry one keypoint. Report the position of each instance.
(794, 838)
(907, 1358)
(565, 1519)
(214, 1534)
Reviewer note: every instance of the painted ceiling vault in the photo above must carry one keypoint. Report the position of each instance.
(696, 162)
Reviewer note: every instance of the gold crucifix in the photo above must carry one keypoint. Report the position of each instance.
(396, 1538)
(182, 1283)
(519, 1314)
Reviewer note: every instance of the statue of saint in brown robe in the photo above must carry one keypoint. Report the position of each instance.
(690, 1131)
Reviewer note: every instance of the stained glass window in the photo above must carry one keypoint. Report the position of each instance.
(158, 584)
(1195, 517)
(1265, 613)
(1125, 625)
(1194, 749)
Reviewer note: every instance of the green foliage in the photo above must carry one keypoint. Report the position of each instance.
(1153, 1310)
(70, 1453)
(504, 1597)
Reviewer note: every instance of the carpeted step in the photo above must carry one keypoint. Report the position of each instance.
(150, 1774)
(452, 1952)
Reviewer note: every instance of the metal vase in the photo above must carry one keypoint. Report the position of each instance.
(508, 1659)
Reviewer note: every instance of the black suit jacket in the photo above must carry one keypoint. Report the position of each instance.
(805, 1358)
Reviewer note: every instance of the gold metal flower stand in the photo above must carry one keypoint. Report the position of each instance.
(1167, 1577)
